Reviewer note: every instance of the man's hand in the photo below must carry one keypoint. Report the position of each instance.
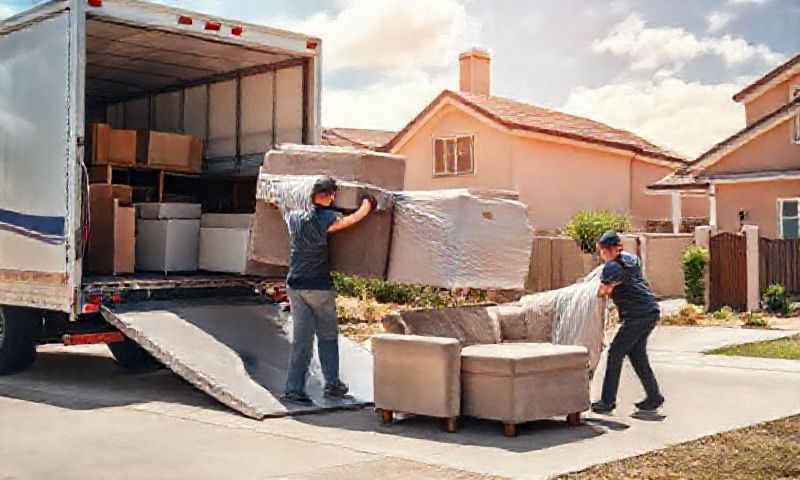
(373, 202)
(605, 289)
(350, 220)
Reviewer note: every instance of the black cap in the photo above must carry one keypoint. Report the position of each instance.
(324, 185)
(610, 239)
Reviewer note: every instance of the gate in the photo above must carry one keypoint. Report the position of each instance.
(728, 272)
(779, 262)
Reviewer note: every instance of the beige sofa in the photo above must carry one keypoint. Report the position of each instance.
(499, 359)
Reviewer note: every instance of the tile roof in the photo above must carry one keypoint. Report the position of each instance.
(692, 175)
(772, 74)
(356, 137)
(518, 115)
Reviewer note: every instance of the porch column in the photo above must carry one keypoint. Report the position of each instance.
(677, 216)
(702, 238)
(712, 206)
(753, 280)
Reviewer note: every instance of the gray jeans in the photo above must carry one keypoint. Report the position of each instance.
(313, 312)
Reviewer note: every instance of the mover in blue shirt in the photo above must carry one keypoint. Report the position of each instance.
(311, 293)
(639, 312)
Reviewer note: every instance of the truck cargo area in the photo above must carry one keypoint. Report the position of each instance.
(237, 351)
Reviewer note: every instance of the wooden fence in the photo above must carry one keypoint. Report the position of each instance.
(728, 272)
(779, 263)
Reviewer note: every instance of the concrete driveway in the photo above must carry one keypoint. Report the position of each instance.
(77, 415)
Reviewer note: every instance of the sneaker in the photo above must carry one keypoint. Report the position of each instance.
(299, 398)
(650, 404)
(336, 390)
(603, 407)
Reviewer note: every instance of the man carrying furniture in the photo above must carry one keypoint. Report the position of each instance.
(622, 279)
(311, 293)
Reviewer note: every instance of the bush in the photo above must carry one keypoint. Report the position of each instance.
(695, 259)
(415, 296)
(587, 226)
(724, 314)
(754, 319)
(775, 300)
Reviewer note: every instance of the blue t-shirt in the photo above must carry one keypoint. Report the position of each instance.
(632, 294)
(309, 267)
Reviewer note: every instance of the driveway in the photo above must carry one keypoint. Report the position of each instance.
(76, 415)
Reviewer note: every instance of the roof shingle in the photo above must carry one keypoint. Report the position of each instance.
(518, 115)
(356, 137)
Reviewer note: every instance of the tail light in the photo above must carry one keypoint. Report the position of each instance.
(237, 30)
(213, 26)
(96, 3)
(185, 20)
(312, 44)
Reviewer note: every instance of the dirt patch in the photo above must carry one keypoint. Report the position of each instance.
(766, 451)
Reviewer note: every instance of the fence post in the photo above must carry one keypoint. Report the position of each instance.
(753, 263)
(702, 238)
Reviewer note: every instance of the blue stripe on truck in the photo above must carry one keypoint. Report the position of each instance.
(44, 228)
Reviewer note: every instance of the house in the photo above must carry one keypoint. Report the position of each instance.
(560, 164)
(356, 138)
(752, 177)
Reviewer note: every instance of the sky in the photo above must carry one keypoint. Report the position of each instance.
(665, 70)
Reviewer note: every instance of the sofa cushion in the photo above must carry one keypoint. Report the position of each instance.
(513, 359)
(470, 325)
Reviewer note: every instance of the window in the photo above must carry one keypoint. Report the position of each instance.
(789, 217)
(454, 155)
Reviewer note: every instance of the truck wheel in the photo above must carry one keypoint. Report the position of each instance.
(19, 328)
(131, 356)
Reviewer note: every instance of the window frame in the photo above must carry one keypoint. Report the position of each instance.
(454, 139)
(794, 92)
(781, 218)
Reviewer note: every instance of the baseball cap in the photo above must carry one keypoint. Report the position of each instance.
(610, 239)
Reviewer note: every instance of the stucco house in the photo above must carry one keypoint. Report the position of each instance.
(559, 163)
(752, 177)
(356, 137)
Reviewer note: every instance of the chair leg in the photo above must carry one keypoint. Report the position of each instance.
(387, 417)
(510, 429)
(451, 424)
(574, 419)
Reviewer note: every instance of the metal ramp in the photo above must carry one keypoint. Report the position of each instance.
(237, 351)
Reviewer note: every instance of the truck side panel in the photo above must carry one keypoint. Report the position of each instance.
(34, 153)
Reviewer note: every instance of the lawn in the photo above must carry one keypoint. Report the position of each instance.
(785, 348)
(766, 451)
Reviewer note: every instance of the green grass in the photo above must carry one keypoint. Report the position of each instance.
(784, 348)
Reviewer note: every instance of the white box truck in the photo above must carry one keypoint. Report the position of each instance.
(67, 64)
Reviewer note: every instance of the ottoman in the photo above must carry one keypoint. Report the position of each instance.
(520, 382)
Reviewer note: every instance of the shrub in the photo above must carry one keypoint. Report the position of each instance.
(587, 226)
(688, 315)
(415, 296)
(775, 300)
(724, 314)
(695, 259)
(754, 319)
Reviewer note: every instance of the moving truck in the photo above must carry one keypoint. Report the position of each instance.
(68, 64)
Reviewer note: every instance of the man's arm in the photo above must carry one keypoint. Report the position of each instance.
(609, 278)
(352, 219)
(606, 289)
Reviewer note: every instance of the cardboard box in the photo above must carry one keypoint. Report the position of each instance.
(111, 146)
(111, 248)
(455, 239)
(224, 249)
(168, 211)
(167, 245)
(169, 151)
(364, 166)
(226, 220)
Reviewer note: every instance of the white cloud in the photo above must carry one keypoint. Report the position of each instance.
(390, 33)
(687, 117)
(651, 48)
(386, 105)
(718, 20)
(7, 11)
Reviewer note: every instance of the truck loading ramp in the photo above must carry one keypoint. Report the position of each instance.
(237, 351)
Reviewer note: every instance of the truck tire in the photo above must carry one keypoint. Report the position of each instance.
(131, 356)
(19, 330)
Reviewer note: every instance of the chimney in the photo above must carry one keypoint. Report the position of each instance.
(475, 66)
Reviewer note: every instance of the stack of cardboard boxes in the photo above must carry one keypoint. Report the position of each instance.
(145, 148)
